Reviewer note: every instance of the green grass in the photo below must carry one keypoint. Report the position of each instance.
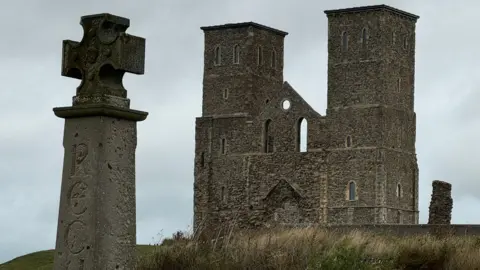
(36, 260)
(317, 248)
(296, 249)
(43, 260)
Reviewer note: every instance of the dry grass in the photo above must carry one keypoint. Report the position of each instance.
(315, 248)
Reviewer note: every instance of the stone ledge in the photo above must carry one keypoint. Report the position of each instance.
(372, 8)
(99, 110)
(244, 25)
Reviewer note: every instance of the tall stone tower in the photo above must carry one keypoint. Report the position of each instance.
(371, 64)
(242, 62)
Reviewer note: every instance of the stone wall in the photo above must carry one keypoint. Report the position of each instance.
(440, 211)
(249, 168)
(410, 230)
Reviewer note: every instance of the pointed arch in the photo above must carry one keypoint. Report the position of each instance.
(236, 54)
(302, 134)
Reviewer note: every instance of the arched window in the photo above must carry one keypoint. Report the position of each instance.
(202, 159)
(236, 54)
(399, 190)
(394, 38)
(225, 93)
(217, 56)
(273, 64)
(223, 147)
(399, 84)
(302, 129)
(259, 55)
(352, 191)
(267, 137)
(348, 141)
(344, 41)
(405, 42)
(364, 37)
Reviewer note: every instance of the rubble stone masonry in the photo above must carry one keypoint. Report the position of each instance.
(440, 211)
(360, 164)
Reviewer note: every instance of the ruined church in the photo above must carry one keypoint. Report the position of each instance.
(359, 165)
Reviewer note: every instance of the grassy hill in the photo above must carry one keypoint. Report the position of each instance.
(43, 260)
(297, 249)
(36, 260)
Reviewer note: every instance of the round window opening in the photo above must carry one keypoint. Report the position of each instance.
(286, 104)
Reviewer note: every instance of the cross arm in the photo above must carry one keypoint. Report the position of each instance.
(129, 54)
(70, 54)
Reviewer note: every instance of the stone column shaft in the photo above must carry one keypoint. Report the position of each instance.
(97, 205)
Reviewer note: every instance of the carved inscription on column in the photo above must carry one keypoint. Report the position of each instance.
(77, 196)
(79, 153)
(81, 265)
(76, 235)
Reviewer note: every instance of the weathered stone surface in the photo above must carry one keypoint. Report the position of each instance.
(247, 144)
(97, 204)
(101, 58)
(410, 230)
(441, 204)
(97, 216)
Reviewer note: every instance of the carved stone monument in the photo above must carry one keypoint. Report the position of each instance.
(97, 217)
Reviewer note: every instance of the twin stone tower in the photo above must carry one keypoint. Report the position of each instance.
(360, 165)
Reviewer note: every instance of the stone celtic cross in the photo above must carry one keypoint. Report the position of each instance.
(103, 55)
(97, 214)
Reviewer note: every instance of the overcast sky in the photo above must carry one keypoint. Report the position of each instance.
(447, 94)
